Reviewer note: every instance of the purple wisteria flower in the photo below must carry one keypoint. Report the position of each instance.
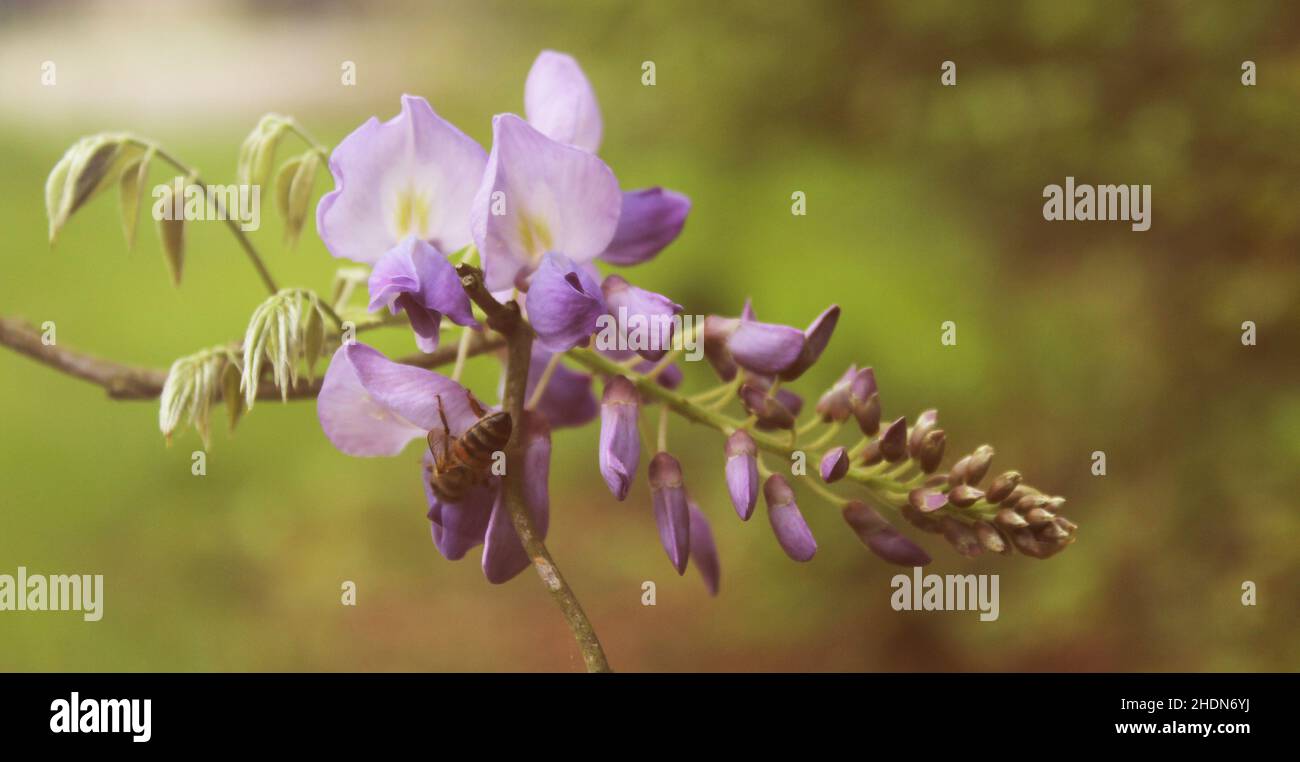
(560, 102)
(369, 405)
(565, 303)
(620, 440)
(881, 537)
(539, 196)
(416, 278)
(672, 512)
(766, 349)
(704, 550)
(644, 319)
(742, 472)
(414, 175)
(649, 220)
(788, 523)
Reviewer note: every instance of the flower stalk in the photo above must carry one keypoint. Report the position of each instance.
(506, 320)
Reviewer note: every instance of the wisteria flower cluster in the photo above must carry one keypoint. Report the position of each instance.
(542, 209)
(509, 246)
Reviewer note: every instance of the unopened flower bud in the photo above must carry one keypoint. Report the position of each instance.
(1009, 519)
(864, 401)
(834, 403)
(788, 524)
(957, 474)
(834, 465)
(1052, 530)
(979, 464)
(1039, 516)
(893, 442)
(881, 538)
(930, 452)
(871, 455)
(925, 423)
(1030, 502)
(620, 441)
(672, 512)
(769, 412)
(961, 536)
(927, 500)
(716, 331)
(1002, 486)
(922, 521)
(1013, 499)
(703, 549)
(964, 495)
(742, 472)
(990, 538)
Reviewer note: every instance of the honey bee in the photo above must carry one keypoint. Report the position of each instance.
(465, 461)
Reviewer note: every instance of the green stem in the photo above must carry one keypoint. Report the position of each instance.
(244, 242)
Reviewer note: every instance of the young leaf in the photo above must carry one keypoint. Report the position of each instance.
(300, 195)
(257, 154)
(314, 339)
(129, 189)
(230, 392)
(283, 184)
(171, 230)
(90, 165)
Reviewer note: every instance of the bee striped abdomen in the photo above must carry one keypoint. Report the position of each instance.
(485, 437)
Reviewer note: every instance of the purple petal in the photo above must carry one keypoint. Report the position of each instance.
(564, 304)
(766, 348)
(834, 403)
(568, 399)
(792, 532)
(369, 405)
(643, 319)
(704, 551)
(412, 393)
(415, 174)
(717, 330)
(425, 323)
(834, 465)
(651, 219)
(789, 400)
(620, 440)
(552, 197)
(672, 515)
(503, 552)
(742, 473)
(417, 278)
(816, 337)
(559, 101)
(882, 538)
(459, 527)
(894, 547)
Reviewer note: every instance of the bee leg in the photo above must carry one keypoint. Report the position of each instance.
(446, 429)
(474, 405)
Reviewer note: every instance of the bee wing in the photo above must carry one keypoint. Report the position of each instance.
(437, 439)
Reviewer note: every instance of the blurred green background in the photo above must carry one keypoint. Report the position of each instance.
(924, 205)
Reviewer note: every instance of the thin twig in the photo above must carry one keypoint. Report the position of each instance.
(506, 320)
(131, 382)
